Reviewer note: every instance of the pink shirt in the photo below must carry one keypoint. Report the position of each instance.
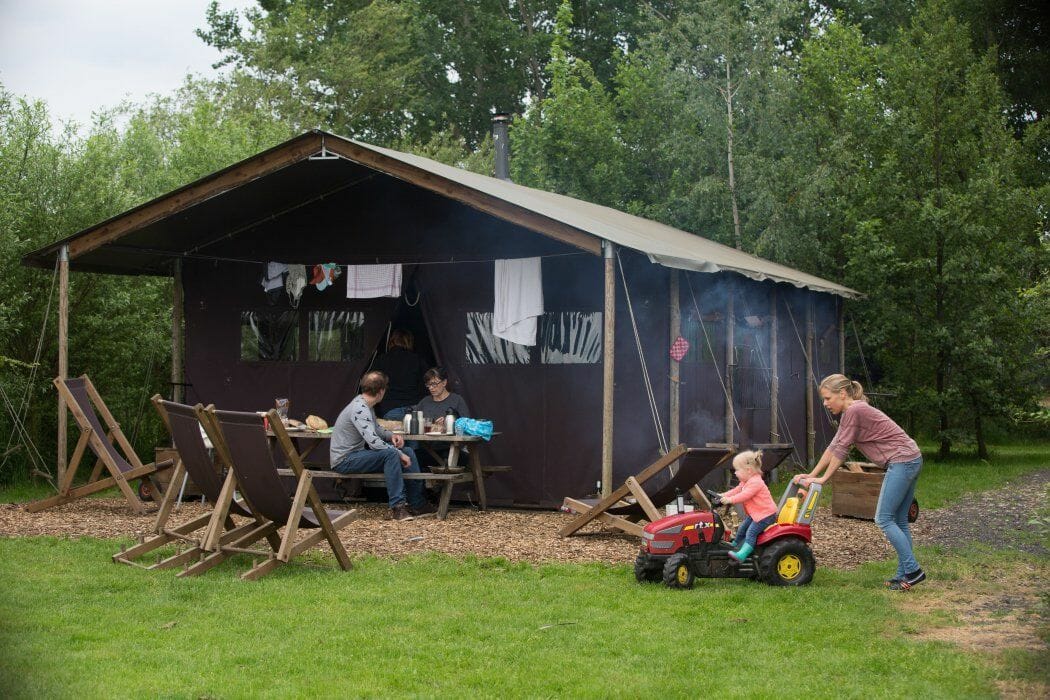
(874, 433)
(754, 494)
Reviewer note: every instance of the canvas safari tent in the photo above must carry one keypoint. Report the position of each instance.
(579, 407)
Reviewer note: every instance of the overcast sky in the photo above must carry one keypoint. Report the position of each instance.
(83, 55)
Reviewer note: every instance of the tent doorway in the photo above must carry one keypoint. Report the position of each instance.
(405, 351)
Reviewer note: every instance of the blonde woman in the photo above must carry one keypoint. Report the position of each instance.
(883, 442)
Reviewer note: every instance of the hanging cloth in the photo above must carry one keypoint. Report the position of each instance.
(296, 284)
(519, 300)
(273, 278)
(373, 281)
(324, 274)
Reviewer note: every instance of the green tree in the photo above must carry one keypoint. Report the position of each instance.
(568, 141)
(947, 238)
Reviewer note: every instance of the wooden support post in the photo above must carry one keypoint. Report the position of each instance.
(730, 363)
(63, 354)
(810, 384)
(177, 373)
(842, 335)
(774, 371)
(676, 368)
(608, 361)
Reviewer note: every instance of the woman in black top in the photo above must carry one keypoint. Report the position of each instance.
(437, 405)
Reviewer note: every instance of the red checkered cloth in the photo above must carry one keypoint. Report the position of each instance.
(679, 348)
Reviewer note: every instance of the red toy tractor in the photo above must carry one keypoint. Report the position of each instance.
(679, 548)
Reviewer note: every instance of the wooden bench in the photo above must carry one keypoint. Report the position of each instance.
(448, 480)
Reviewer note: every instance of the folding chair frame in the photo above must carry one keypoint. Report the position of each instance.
(183, 533)
(634, 486)
(283, 547)
(89, 439)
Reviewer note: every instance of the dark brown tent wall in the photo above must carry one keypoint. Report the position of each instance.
(548, 411)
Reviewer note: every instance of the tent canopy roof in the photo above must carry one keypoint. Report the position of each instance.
(276, 182)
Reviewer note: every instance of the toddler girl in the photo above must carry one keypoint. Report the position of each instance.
(758, 503)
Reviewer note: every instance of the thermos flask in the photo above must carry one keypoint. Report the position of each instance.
(408, 423)
(419, 429)
(450, 422)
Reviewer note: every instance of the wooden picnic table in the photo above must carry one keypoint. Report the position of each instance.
(448, 472)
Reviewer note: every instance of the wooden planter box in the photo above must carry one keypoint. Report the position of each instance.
(164, 477)
(856, 490)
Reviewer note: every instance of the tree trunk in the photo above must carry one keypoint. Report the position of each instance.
(978, 430)
(939, 299)
(737, 239)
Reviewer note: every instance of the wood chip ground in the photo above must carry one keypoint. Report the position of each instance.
(531, 536)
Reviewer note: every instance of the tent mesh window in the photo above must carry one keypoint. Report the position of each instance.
(270, 335)
(571, 338)
(484, 348)
(700, 345)
(336, 336)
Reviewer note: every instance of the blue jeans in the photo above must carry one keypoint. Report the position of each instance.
(389, 463)
(891, 514)
(749, 530)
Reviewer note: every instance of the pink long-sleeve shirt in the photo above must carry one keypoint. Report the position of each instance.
(755, 497)
(874, 433)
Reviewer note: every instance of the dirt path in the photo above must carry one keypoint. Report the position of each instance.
(998, 518)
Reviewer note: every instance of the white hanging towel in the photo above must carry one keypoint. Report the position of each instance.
(519, 300)
(372, 281)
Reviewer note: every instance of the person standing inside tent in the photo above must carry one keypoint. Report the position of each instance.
(360, 446)
(405, 369)
(883, 442)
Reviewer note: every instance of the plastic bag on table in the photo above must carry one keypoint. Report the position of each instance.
(474, 426)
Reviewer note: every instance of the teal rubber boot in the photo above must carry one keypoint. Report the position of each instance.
(743, 553)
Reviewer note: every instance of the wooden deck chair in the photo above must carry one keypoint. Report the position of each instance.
(649, 498)
(122, 464)
(194, 460)
(242, 443)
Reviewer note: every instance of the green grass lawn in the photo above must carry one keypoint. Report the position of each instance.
(72, 623)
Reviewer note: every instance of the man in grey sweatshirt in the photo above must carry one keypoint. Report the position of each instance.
(361, 446)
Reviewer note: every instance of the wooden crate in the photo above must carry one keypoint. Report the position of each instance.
(164, 477)
(855, 491)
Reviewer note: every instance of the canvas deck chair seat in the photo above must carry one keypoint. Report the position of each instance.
(242, 443)
(111, 448)
(648, 494)
(196, 462)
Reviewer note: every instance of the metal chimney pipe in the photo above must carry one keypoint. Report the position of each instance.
(502, 144)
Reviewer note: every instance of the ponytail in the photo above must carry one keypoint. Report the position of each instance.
(840, 382)
(749, 459)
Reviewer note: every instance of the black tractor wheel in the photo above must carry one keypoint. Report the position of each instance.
(145, 490)
(787, 562)
(677, 572)
(913, 510)
(645, 570)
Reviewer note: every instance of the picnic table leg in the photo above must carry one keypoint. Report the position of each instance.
(446, 498)
(479, 478)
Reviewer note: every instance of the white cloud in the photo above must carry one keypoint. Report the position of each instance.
(81, 55)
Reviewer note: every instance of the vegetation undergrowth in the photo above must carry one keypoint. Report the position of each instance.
(72, 622)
